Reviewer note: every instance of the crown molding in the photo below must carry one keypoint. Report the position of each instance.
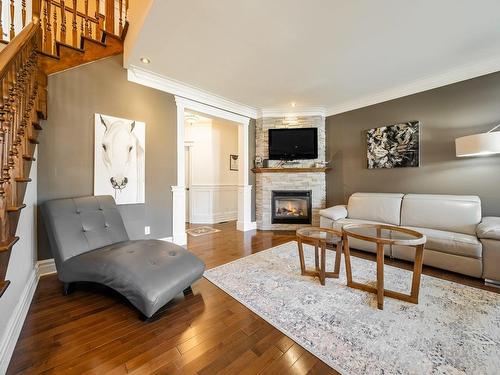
(459, 74)
(162, 83)
(462, 73)
(295, 111)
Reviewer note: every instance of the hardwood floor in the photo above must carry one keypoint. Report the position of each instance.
(95, 331)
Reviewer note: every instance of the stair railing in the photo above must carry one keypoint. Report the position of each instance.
(66, 21)
(21, 87)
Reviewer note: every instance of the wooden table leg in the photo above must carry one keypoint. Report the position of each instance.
(380, 276)
(417, 272)
(347, 257)
(301, 257)
(316, 257)
(338, 258)
(322, 269)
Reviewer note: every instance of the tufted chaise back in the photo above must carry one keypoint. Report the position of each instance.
(78, 225)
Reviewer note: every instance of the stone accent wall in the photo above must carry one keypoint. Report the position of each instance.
(266, 123)
(265, 183)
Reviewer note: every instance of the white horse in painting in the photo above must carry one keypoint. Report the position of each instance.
(123, 156)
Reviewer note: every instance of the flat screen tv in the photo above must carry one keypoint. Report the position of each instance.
(293, 144)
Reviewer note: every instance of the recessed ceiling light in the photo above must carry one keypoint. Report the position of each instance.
(145, 60)
(293, 104)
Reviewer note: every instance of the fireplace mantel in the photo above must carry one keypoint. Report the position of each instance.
(289, 170)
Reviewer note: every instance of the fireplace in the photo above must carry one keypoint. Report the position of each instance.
(291, 206)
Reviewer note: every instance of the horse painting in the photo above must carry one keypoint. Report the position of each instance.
(119, 159)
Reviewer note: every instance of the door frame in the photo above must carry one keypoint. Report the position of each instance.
(244, 222)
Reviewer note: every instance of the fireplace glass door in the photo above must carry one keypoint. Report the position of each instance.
(291, 207)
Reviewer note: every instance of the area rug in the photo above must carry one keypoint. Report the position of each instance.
(455, 329)
(201, 231)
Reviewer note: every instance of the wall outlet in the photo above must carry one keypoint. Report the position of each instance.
(147, 230)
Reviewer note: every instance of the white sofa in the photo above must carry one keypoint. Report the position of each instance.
(459, 239)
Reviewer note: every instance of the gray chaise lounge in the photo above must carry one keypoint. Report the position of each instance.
(89, 243)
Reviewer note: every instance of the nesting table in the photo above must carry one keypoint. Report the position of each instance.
(383, 235)
(319, 238)
(379, 234)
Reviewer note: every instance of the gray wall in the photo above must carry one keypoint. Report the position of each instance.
(66, 150)
(445, 113)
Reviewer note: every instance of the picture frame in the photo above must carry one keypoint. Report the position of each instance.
(233, 162)
(394, 146)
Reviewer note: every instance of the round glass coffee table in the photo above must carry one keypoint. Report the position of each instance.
(319, 238)
(383, 235)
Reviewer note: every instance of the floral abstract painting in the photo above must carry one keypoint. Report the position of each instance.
(394, 146)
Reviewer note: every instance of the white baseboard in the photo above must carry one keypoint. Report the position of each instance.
(46, 267)
(167, 239)
(16, 321)
(246, 225)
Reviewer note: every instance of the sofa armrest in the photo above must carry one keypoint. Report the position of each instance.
(335, 212)
(489, 228)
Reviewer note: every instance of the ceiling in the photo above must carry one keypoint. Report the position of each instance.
(336, 54)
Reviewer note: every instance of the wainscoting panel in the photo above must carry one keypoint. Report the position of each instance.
(210, 204)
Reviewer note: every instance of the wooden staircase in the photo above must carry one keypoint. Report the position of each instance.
(42, 47)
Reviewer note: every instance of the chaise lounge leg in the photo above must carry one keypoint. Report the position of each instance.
(68, 288)
(145, 319)
(187, 291)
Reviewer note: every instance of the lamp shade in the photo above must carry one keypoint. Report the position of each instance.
(478, 144)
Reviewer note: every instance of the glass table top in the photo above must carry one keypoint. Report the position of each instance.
(384, 232)
(315, 233)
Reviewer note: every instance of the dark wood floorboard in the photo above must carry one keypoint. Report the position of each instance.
(96, 331)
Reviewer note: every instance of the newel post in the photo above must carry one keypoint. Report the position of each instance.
(36, 7)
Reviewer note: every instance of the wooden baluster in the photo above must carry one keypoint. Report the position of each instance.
(126, 10)
(1, 26)
(48, 29)
(63, 22)
(54, 27)
(110, 16)
(23, 12)
(99, 25)
(120, 19)
(12, 31)
(75, 26)
(36, 7)
(87, 29)
(82, 27)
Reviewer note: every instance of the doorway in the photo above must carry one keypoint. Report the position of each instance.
(179, 193)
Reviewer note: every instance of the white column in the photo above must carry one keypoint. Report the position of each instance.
(179, 190)
(179, 217)
(244, 222)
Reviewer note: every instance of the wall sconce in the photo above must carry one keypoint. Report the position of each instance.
(481, 144)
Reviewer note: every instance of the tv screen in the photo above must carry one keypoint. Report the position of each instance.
(293, 144)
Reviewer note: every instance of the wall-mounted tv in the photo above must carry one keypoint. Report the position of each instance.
(293, 144)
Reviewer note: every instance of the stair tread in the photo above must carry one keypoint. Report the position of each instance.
(29, 158)
(16, 208)
(33, 140)
(37, 125)
(61, 44)
(22, 179)
(8, 244)
(90, 40)
(3, 286)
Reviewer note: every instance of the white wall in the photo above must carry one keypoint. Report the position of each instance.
(14, 304)
(214, 187)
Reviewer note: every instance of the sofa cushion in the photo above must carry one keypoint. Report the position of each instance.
(149, 273)
(451, 242)
(335, 212)
(454, 213)
(489, 228)
(379, 207)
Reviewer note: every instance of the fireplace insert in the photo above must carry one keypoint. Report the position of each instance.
(291, 206)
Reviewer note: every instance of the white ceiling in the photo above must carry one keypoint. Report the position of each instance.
(333, 53)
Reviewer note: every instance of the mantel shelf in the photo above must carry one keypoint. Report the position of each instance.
(289, 170)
